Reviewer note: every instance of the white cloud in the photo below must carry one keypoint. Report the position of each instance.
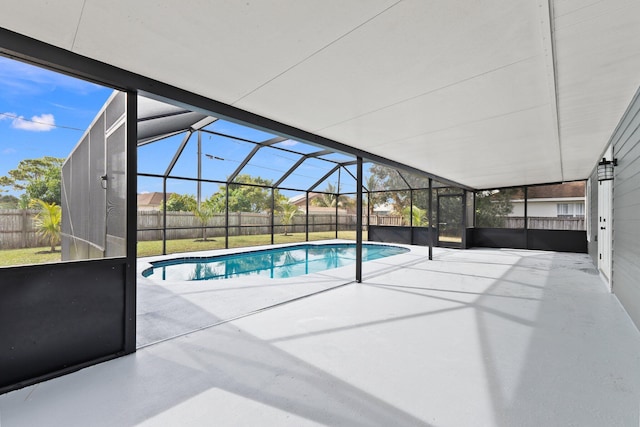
(289, 143)
(9, 151)
(8, 116)
(42, 123)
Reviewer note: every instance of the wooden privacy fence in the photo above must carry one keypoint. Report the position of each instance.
(17, 229)
(184, 225)
(545, 223)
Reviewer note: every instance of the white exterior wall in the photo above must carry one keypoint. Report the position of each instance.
(546, 208)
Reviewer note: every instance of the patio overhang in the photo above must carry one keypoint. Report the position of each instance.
(484, 94)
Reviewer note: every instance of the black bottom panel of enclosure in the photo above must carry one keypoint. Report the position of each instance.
(559, 240)
(58, 316)
(400, 234)
(499, 238)
(546, 240)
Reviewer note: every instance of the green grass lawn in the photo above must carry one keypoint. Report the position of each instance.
(42, 255)
(28, 256)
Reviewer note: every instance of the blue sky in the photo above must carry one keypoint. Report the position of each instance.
(43, 113)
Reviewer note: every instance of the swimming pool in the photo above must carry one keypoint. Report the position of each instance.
(277, 263)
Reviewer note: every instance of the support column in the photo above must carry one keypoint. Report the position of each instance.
(164, 216)
(411, 215)
(132, 222)
(368, 210)
(359, 221)
(307, 219)
(430, 236)
(199, 190)
(273, 212)
(464, 220)
(226, 217)
(336, 196)
(526, 217)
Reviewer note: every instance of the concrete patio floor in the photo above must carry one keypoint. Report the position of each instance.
(473, 338)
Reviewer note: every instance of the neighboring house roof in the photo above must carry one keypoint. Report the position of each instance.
(151, 200)
(558, 191)
(300, 202)
(569, 189)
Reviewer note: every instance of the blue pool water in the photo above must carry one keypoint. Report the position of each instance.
(274, 263)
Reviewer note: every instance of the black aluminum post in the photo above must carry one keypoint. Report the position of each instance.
(336, 196)
(164, 216)
(464, 219)
(307, 219)
(132, 222)
(337, 200)
(226, 217)
(273, 212)
(199, 190)
(526, 219)
(368, 210)
(359, 222)
(410, 214)
(430, 218)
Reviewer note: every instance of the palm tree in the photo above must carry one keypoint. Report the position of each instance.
(418, 216)
(373, 199)
(329, 199)
(48, 220)
(204, 212)
(289, 210)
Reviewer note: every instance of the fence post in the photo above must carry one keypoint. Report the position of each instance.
(24, 228)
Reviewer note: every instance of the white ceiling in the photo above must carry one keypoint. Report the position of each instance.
(486, 93)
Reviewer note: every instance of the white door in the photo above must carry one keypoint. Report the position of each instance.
(604, 225)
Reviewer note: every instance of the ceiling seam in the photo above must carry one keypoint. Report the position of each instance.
(429, 92)
(554, 69)
(73, 43)
(316, 52)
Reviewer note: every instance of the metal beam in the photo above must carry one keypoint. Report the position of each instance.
(273, 141)
(331, 172)
(178, 152)
(131, 215)
(203, 123)
(402, 178)
(430, 219)
(290, 171)
(159, 138)
(298, 163)
(253, 152)
(359, 222)
(246, 160)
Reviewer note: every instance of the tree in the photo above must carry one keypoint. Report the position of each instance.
(389, 179)
(289, 210)
(329, 199)
(254, 197)
(39, 178)
(9, 202)
(373, 199)
(179, 203)
(492, 207)
(47, 220)
(204, 212)
(416, 216)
